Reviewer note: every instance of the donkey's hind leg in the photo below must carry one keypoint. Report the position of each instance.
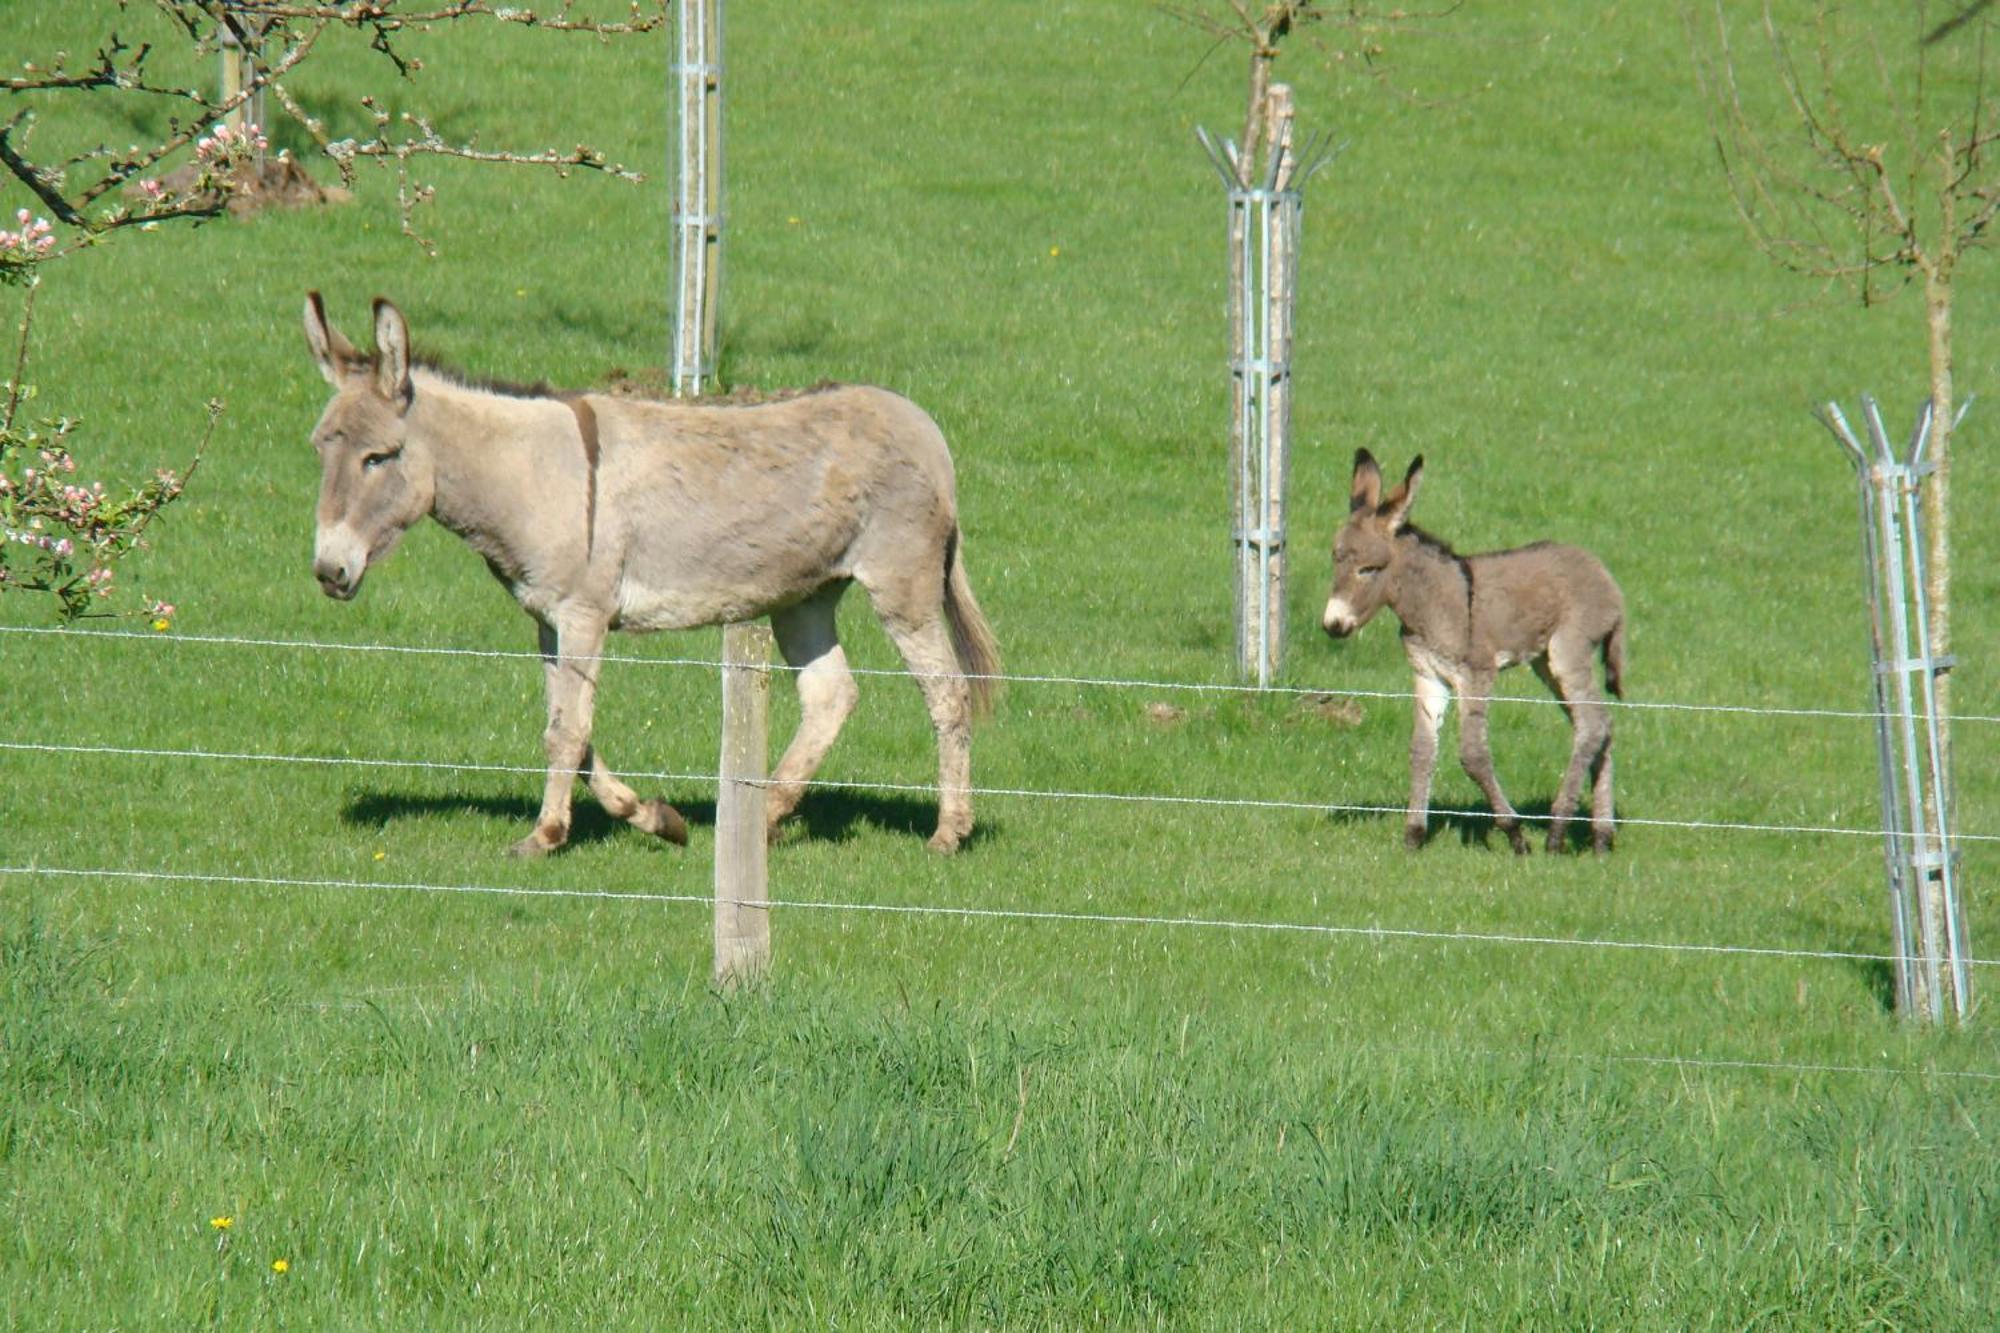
(925, 643)
(808, 639)
(1566, 670)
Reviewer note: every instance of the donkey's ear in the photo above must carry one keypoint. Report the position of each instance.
(1367, 486)
(1397, 507)
(392, 353)
(330, 352)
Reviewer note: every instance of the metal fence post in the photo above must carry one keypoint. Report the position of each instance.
(1926, 908)
(1264, 228)
(697, 195)
(742, 885)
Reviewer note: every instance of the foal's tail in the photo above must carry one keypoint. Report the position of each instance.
(971, 637)
(1614, 659)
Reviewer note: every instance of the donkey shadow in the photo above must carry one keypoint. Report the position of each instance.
(1473, 824)
(824, 816)
(836, 815)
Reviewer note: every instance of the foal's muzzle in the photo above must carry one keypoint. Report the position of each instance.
(1337, 621)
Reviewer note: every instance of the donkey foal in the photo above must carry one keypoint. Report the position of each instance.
(1466, 619)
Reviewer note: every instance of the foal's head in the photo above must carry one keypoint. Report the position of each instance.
(1365, 552)
(374, 482)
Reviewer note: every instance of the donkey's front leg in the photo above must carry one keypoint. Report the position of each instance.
(1433, 699)
(569, 669)
(1477, 757)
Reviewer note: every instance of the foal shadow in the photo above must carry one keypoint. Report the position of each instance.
(588, 820)
(1474, 824)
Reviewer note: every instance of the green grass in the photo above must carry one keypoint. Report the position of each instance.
(526, 1106)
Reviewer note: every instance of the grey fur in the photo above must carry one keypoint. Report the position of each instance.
(1466, 619)
(702, 514)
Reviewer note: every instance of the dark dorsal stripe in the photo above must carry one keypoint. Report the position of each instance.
(586, 426)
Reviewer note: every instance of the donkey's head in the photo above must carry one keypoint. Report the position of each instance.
(1365, 552)
(375, 481)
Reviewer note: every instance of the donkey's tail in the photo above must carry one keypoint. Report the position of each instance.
(1614, 659)
(971, 637)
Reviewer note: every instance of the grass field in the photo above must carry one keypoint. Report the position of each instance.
(525, 1106)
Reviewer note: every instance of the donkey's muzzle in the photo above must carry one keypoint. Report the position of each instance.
(337, 580)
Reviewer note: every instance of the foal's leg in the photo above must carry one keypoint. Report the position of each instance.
(1566, 669)
(1603, 822)
(1433, 699)
(1477, 757)
(808, 639)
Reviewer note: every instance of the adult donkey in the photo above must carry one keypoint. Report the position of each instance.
(602, 513)
(1466, 619)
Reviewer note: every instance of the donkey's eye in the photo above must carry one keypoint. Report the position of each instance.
(1369, 571)
(370, 462)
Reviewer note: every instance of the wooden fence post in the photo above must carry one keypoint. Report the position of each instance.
(742, 885)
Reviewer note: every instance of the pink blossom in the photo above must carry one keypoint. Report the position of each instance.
(63, 548)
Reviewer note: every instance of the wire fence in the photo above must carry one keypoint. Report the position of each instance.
(1031, 793)
(1375, 932)
(1089, 682)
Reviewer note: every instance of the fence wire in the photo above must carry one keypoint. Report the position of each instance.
(1025, 914)
(921, 788)
(1090, 682)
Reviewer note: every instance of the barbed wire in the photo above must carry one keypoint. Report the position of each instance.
(1095, 682)
(1042, 915)
(919, 788)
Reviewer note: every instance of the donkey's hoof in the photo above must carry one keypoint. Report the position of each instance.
(1413, 837)
(663, 821)
(1601, 844)
(1518, 843)
(530, 847)
(1554, 844)
(944, 842)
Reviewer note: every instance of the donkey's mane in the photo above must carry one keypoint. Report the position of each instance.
(1428, 540)
(618, 385)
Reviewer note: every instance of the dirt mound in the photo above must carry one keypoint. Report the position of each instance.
(276, 182)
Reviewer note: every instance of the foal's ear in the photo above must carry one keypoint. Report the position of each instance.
(331, 352)
(1397, 507)
(1367, 486)
(392, 353)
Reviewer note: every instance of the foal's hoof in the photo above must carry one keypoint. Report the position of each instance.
(1601, 844)
(530, 847)
(663, 821)
(1518, 843)
(944, 843)
(1413, 837)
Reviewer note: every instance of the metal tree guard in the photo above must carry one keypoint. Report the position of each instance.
(1264, 224)
(1926, 909)
(697, 195)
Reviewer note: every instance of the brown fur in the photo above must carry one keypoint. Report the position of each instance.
(601, 513)
(1466, 619)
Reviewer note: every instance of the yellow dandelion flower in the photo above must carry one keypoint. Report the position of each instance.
(381, 856)
(281, 1265)
(221, 1223)
(1054, 250)
(162, 625)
